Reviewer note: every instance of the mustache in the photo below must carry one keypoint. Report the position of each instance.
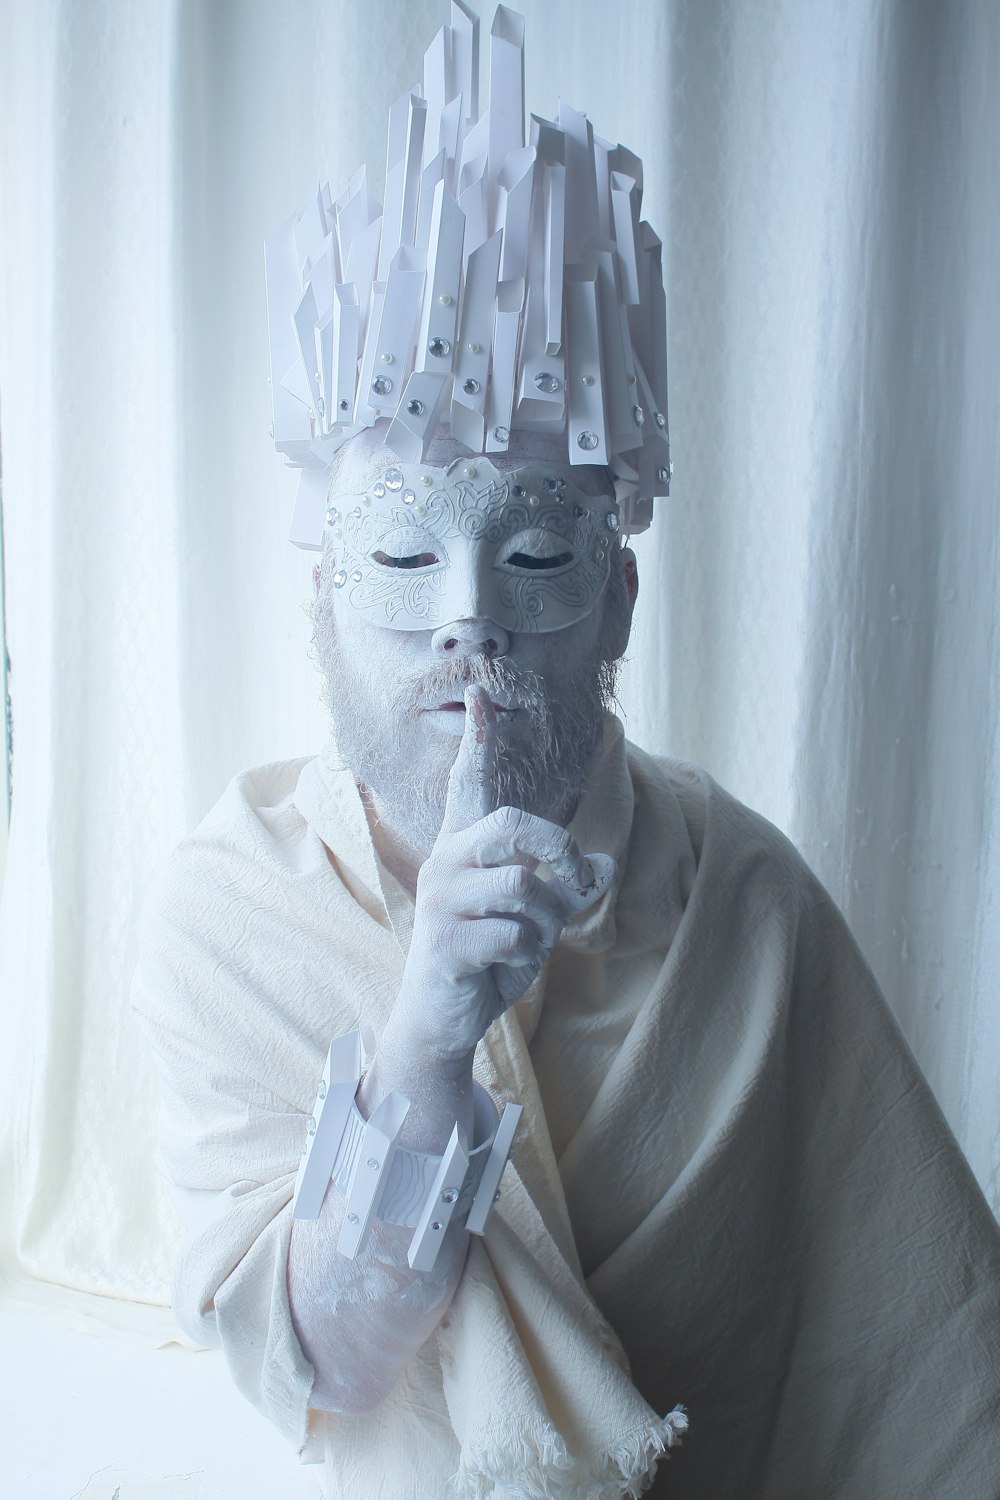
(498, 676)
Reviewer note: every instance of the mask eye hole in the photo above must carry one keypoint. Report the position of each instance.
(411, 560)
(407, 547)
(537, 551)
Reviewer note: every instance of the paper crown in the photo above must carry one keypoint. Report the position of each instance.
(502, 287)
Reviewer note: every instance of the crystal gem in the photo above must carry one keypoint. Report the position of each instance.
(474, 348)
(546, 382)
(386, 357)
(631, 380)
(470, 386)
(332, 516)
(533, 501)
(439, 348)
(408, 497)
(449, 1195)
(517, 490)
(588, 440)
(339, 578)
(588, 380)
(659, 419)
(550, 482)
(373, 1163)
(345, 405)
(639, 415)
(663, 473)
(311, 1127)
(393, 479)
(381, 385)
(496, 1196)
(352, 1218)
(612, 520)
(322, 1090)
(415, 407)
(501, 434)
(356, 575)
(436, 1224)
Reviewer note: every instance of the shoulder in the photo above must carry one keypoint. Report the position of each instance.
(736, 851)
(231, 859)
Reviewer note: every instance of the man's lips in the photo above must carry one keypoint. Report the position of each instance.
(454, 707)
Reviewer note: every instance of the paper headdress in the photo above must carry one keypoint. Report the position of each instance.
(502, 287)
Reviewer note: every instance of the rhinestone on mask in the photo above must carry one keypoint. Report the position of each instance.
(533, 501)
(393, 479)
(518, 491)
(356, 575)
(439, 348)
(546, 382)
(588, 440)
(339, 578)
(550, 483)
(408, 497)
(381, 385)
(470, 386)
(502, 434)
(378, 489)
(332, 516)
(415, 407)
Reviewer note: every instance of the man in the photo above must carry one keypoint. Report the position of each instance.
(730, 1186)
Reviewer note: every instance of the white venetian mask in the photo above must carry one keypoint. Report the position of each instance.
(424, 546)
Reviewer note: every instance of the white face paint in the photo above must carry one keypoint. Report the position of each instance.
(422, 546)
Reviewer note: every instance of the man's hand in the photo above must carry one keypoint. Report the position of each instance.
(485, 923)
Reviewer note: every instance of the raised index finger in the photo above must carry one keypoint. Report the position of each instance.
(473, 776)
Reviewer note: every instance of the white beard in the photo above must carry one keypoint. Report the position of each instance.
(543, 759)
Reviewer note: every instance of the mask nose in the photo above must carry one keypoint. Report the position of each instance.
(470, 638)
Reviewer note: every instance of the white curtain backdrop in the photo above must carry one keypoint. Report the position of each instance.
(817, 616)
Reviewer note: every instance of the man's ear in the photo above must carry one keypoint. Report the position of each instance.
(618, 643)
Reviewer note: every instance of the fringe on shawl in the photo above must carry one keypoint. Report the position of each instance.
(546, 1470)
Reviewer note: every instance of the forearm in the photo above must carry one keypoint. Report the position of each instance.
(361, 1321)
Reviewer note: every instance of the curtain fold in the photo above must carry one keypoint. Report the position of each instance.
(817, 615)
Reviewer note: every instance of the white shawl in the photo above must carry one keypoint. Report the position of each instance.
(728, 1166)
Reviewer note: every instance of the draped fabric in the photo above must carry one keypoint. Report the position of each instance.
(816, 616)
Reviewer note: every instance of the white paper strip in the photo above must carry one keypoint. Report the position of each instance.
(583, 368)
(345, 1062)
(371, 1169)
(442, 1201)
(500, 401)
(410, 431)
(482, 1203)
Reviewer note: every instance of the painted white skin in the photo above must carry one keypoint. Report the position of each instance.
(484, 921)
